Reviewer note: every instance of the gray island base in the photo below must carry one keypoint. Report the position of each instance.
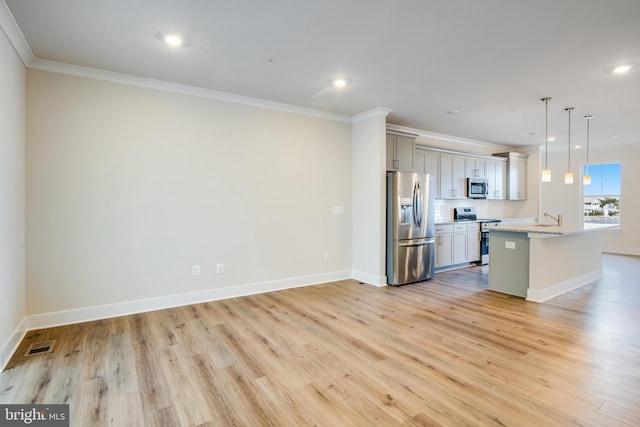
(539, 262)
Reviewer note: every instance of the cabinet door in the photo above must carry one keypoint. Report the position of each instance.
(391, 152)
(419, 161)
(459, 247)
(400, 153)
(476, 167)
(404, 153)
(444, 249)
(522, 178)
(496, 172)
(446, 176)
(517, 187)
(460, 177)
(453, 180)
(432, 167)
(473, 246)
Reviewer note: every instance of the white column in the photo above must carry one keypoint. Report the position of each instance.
(369, 195)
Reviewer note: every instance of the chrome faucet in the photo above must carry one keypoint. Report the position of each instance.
(557, 219)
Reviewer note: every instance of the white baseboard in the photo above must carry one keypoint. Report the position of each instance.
(12, 343)
(369, 279)
(542, 295)
(48, 320)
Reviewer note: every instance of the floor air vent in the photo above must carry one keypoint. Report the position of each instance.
(40, 348)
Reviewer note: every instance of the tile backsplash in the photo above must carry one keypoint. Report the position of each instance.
(500, 209)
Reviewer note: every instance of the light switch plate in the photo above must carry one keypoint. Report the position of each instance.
(510, 245)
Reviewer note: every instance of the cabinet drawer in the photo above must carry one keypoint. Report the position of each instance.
(474, 226)
(444, 228)
(460, 227)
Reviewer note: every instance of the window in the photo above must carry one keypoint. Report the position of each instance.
(602, 196)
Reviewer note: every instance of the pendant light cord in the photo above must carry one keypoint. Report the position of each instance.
(546, 131)
(569, 156)
(589, 117)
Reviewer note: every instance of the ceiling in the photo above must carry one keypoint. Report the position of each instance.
(491, 61)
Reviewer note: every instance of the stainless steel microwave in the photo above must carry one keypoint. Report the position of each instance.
(477, 188)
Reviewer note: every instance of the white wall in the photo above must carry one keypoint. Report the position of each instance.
(558, 197)
(128, 187)
(12, 182)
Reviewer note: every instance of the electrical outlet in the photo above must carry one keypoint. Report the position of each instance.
(220, 268)
(326, 257)
(195, 270)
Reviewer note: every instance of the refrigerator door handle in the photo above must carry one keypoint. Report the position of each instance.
(417, 205)
(418, 243)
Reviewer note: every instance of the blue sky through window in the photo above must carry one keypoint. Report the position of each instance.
(605, 180)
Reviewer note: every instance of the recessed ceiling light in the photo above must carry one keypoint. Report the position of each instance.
(172, 39)
(339, 82)
(622, 69)
(551, 138)
(577, 147)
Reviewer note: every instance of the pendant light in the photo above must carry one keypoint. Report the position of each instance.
(546, 172)
(568, 177)
(586, 180)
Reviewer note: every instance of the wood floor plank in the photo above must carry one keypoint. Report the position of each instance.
(445, 352)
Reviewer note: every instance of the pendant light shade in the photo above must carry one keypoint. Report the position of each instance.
(568, 177)
(546, 172)
(586, 179)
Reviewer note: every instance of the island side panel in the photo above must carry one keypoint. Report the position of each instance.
(509, 262)
(563, 263)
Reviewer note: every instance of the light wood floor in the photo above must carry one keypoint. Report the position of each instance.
(443, 352)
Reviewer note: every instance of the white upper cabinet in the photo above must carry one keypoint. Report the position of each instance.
(419, 159)
(400, 152)
(476, 167)
(428, 161)
(453, 176)
(496, 174)
(516, 175)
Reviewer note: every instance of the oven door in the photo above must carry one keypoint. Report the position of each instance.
(484, 248)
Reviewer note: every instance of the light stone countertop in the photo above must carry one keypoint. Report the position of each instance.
(549, 230)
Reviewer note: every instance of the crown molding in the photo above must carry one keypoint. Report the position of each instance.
(94, 73)
(375, 112)
(448, 138)
(10, 28)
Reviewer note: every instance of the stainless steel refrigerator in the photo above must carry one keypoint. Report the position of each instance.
(410, 227)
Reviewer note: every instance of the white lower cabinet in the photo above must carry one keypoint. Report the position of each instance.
(457, 244)
(444, 245)
(473, 242)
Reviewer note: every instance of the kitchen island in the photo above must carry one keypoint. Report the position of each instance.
(541, 261)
